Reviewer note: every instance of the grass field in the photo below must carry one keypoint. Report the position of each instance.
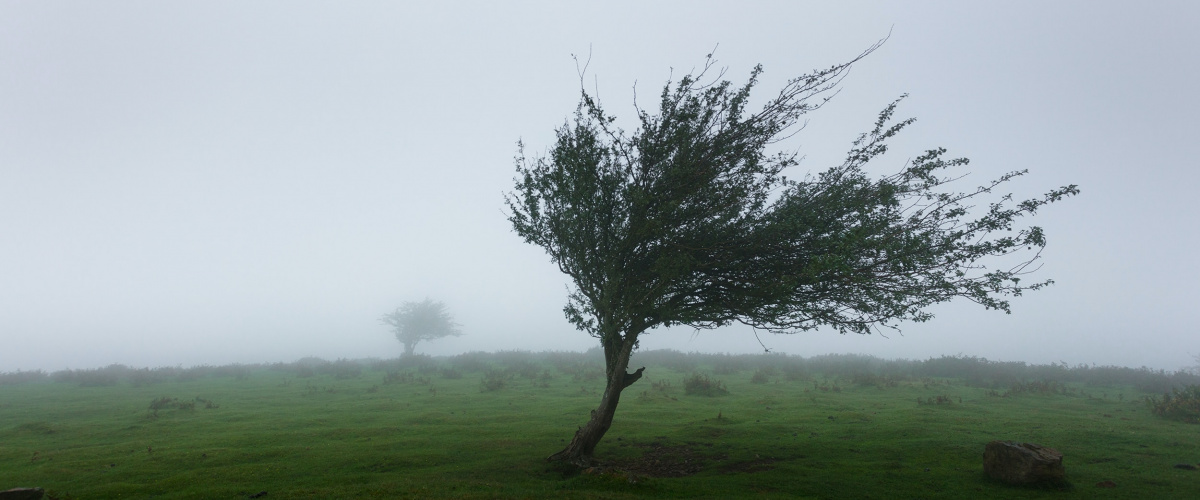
(480, 425)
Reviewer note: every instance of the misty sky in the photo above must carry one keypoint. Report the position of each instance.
(212, 182)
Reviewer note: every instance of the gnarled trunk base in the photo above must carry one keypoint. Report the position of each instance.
(579, 452)
(583, 445)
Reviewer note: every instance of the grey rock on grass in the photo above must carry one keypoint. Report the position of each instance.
(1023, 463)
(22, 494)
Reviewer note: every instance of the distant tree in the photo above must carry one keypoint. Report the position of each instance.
(690, 221)
(413, 322)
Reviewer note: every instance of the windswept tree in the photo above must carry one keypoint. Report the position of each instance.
(413, 322)
(689, 220)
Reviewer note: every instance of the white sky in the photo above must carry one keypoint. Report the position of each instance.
(216, 182)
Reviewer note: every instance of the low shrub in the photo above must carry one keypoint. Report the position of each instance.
(161, 403)
(415, 361)
(673, 360)
(522, 368)
(98, 377)
(701, 385)
(759, 377)
(584, 372)
(165, 402)
(405, 378)
(562, 359)
(470, 362)
(826, 386)
(937, 400)
(238, 371)
(146, 376)
(343, 369)
(725, 364)
(1041, 387)
(872, 380)
(208, 403)
(543, 380)
(20, 377)
(397, 377)
(307, 366)
(795, 372)
(1181, 404)
(194, 373)
(493, 380)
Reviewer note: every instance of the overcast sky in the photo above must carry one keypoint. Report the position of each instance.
(210, 182)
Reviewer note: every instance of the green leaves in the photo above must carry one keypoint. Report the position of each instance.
(689, 220)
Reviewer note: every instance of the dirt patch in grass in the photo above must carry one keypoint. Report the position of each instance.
(660, 460)
(36, 428)
(748, 467)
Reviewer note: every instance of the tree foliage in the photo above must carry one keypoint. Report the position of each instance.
(690, 220)
(413, 322)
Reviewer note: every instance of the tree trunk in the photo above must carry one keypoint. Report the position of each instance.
(409, 347)
(582, 446)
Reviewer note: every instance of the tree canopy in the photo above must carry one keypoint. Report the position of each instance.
(691, 220)
(413, 322)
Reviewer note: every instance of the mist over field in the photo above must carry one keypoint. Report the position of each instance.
(223, 182)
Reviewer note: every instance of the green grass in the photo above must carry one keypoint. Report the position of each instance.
(429, 436)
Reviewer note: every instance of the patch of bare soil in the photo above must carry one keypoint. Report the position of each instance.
(664, 461)
(756, 465)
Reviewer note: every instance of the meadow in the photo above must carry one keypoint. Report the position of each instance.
(479, 425)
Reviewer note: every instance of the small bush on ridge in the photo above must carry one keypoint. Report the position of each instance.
(701, 385)
(493, 380)
(1179, 404)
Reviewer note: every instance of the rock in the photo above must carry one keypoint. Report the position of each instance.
(22, 494)
(1022, 463)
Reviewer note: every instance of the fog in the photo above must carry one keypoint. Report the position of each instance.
(217, 182)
